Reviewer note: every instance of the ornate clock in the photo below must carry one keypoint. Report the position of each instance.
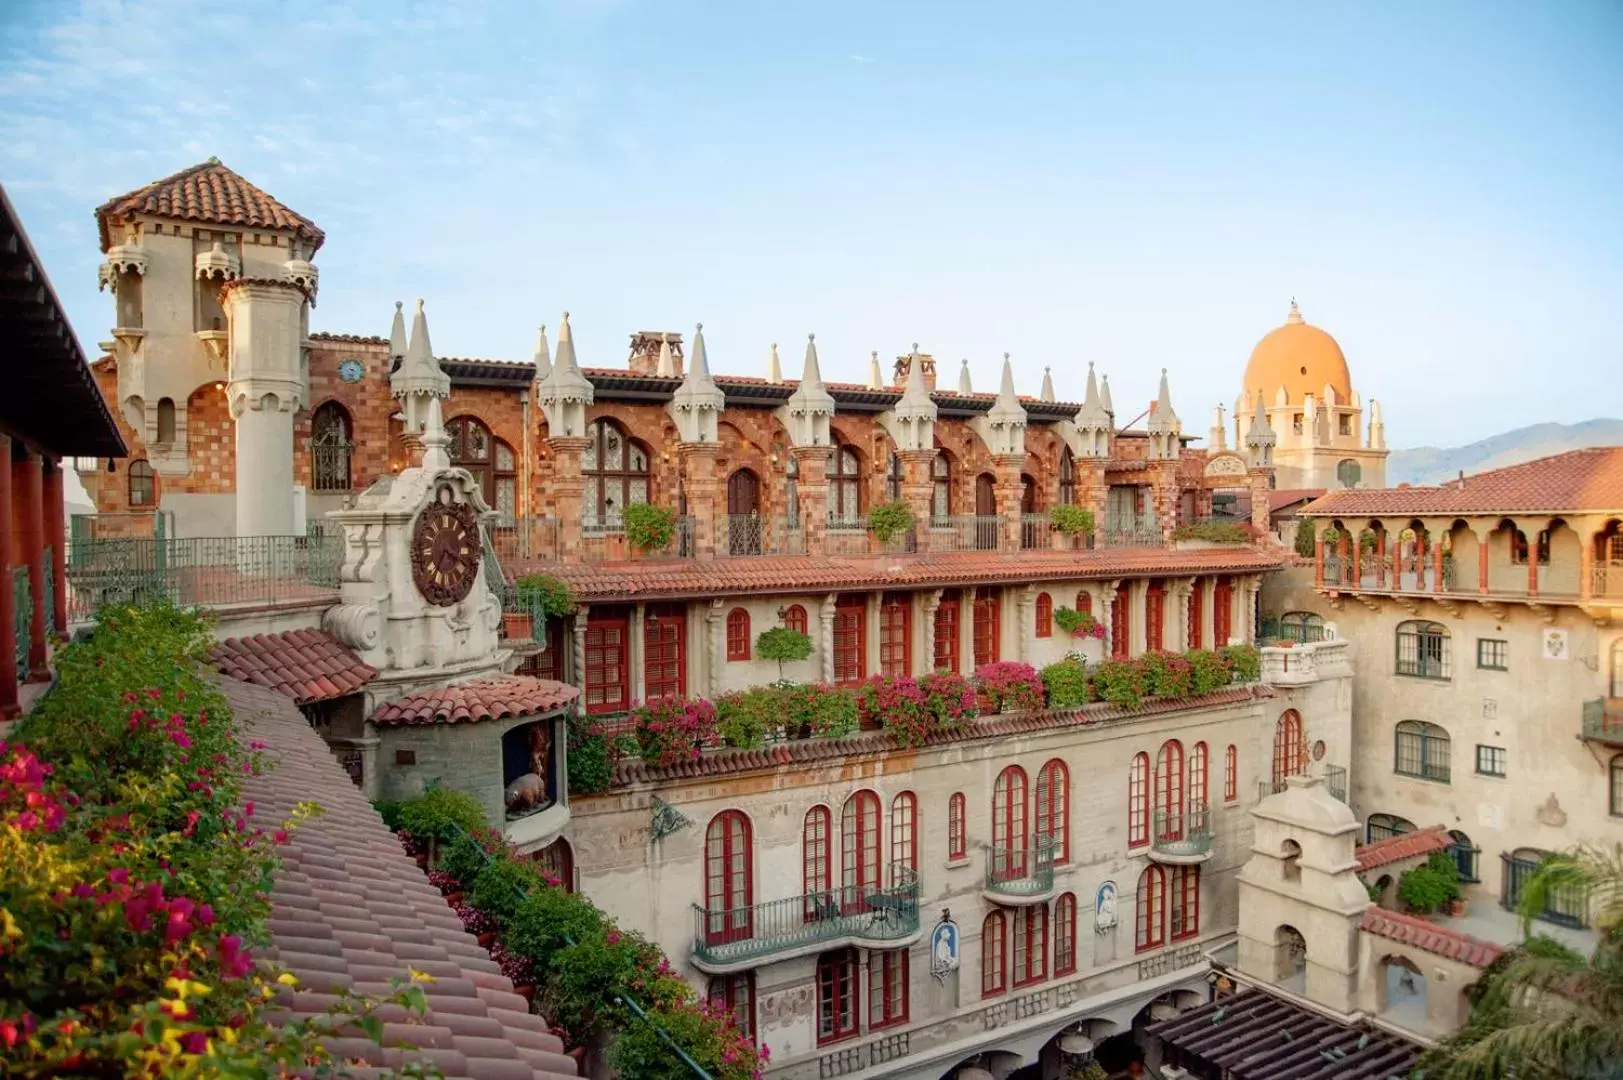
(350, 370)
(445, 551)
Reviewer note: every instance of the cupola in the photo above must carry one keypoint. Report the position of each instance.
(217, 264)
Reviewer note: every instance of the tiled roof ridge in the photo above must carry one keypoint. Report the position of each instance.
(1430, 937)
(1583, 478)
(349, 339)
(1400, 846)
(496, 697)
(307, 665)
(629, 771)
(233, 200)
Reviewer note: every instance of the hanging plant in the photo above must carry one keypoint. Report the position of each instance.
(1078, 623)
(649, 527)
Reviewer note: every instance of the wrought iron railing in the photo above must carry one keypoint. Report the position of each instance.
(1296, 631)
(967, 532)
(1606, 580)
(202, 571)
(22, 617)
(752, 534)
(50, 592)
(1131, 532)
(847, 913)
(1034, 530)
(1022, 871)
(1565, 906)
(1335, 780)
(1182, 833)
(1603, 720)
(329, 466)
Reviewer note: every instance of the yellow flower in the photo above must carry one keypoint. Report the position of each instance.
(185, 988)
(8, 926)
(287, 978)
(229, 1034)
(421, 976)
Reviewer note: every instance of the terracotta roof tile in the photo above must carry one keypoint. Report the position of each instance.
(344, 870)
(655, 579)
(805, 751)
(1579, 480)
(1428, 936)
(305, 665)
(1402, 846)
(484, 699)
(1278, 500)
(211, 194)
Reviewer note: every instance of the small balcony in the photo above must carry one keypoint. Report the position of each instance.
(1335, 781)
(1182, 837)
(1603, 721)
(870, 917)
(1021, 875)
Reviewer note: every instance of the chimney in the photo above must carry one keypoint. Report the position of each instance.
(898, 378)
(645, 344)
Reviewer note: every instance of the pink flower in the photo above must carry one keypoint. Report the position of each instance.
(258, 744)
(235, 962)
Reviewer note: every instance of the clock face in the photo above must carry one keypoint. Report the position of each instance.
(351, 370)
(445, 551)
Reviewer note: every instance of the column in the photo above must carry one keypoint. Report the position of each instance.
(1586, 565)
(1006, 468)
(634, 652)
(966, 631)
(1318, 558)
(1437, 566)
(29, 536)
(1259, 500)
(1185, 594)
(8, 614)
(1397, 562)
(579, 656)
(812, 487)
(925, 662)
(265, 389)
(1532, 558)
(568, 487)
(918, 490)
(56, 537)
(715, 644)
(1482, 564)
(870, 644)
(1344, 548)
(825, 618)
(1023, 608)
(1107, 611)
(698, 465)
(1380, 558)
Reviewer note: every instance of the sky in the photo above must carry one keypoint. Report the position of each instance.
(1139, 186)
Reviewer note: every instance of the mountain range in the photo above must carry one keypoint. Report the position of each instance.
(1432, 464)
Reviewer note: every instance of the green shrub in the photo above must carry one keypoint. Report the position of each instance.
(1244, 661)
(499, 889)
(649, 527)
(1168, 675)
(1071, 520)
(545, 594)
(719, 1049)
(950, 698)
(1304, 538)
(437, 813)
(783, 645)
(743, 719)
(1121, 682)
(548, 920)
(466, 857)
(1208, 671)
(591, 761)
(819, 712)
(1426, 889)
(1215, 532)
(890, 519)
(1067, 683)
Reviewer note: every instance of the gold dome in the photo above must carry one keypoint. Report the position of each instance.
(1302, 359)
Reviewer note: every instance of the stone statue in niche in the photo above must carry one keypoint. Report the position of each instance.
(528, 748)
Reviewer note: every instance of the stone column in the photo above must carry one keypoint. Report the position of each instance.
(918, 489)
(1208, 613)
(1185, 592)
(698, 464)
(8, 611)
(825, 617)
(579, 655)
(925, 661)
(1007, 489)
(634, 652)
(1586, 564)
(568, 487)
(870, 644)
(1437, 566)
(55, 536)
(811, 462)
(265, 391)
(1344, 547)
(1532, 555)
(1024, 602)
(1318, 558)
(966, 632)
(715, 644)
(29, 517)
(1107, 612)
(1259, 500)
(1397, 562)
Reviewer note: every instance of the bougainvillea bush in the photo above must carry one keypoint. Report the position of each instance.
(1067, 683)
(951, 697)
(1123, 683)
(900, 707)
(1012, 686)
(1169, 674)
(1244, 661)
(674, 730)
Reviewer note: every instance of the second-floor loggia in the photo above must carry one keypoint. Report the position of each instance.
(864, 915)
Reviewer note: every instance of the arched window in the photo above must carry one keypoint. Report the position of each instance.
(1169, 790)
(1067, 496)
(738, 634)
(1045, 615)
(1615, 803)
(1009, 823)
(1290, 749)
(616, 471)
(330, 446)
(993, 973)
(1150, 920)
(1184, 909)
(893, 478)
(557, 864)
(1423, 650)
(143, 487)
(1464, 854)
(1422, 750)
(1084, 602)
(1030, 953)
(728, 878)
(734, 997)
(904, 835)
(1138, 801)
(1155, 606)
(794, 618)
(957, 826)
(166, 421)
(941, 486)
(490, 460)
(838, 1011)
(1065, 934)
(1231, 773)
(1381, 826)
(859, 846)
(816, 869)
(1054, 807)
(844, 483)
(1199, 767)
(1301, 626)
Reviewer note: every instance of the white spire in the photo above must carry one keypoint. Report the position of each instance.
(774, 370)
(1260, 439)
(964, 385)
(397, 337)
(543, 354)
(911, 421)
(1048, 385)
(567, 391)
(1104, 397)
(436, 443)
(1295, 316)
(1218, 437)
(876, 380)
(1377, 426)
(806, 413)
(666, 368)
(698, 401)
(1003, 427)
(419, 375)
(1164, 426)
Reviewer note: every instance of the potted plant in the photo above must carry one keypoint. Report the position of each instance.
(889, 520)
(649, 527)
(1430, 887)
(1068, 523)
(1079, 623)
(546, 596)
(518, 625)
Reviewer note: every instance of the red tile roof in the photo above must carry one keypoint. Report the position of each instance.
(1278, 500)
(767, 574)
(351, 910)
(484, 699)
(305, 665)
(1579, 480)
(1429, 937)
(1402, 846)
(801, 752)
(210, 194)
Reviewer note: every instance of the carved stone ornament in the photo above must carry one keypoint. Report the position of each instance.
(446, 550)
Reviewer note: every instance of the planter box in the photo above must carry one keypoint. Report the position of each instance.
(518, 625)
(614, 546)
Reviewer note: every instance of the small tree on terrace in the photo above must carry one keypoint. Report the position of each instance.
(783, 644)
(1304, 538)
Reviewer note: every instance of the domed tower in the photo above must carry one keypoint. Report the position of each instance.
(1300, 374)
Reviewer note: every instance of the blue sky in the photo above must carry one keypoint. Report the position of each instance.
(1137, 185)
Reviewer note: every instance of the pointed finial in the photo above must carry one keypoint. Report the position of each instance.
(1295, 315)
(397, 333)
(964, 385)
(1048, 384)
(876, 381)
(213, 160)
(699, 367)
(666, 367)
(774, 370)
(543, 353)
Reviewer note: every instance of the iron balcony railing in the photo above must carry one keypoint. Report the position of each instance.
(329, 466)
(1131, 532)
(1022, 871)
(1182, 833)
(1034, 530)
(967, 532)
(752, 534)
(1296, 631)
(844, 914)
(1603, 720)
(1606, 580)
(1335, 780)
(50, 593)
(202, 571)
(23, 617)
(1565, 906)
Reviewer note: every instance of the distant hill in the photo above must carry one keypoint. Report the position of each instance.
(1431, 464)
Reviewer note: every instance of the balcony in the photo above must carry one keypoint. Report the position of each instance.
(1603, 721)
(870, 917)
(1182, 837)
(1335, 781)
(1021, 875)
